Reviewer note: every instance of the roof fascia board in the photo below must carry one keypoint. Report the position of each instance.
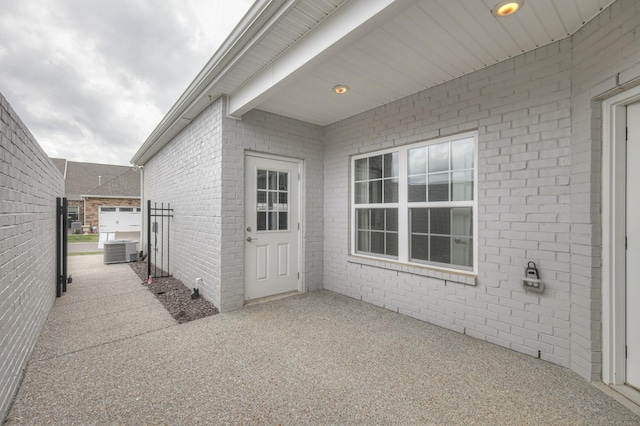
(346, 25)
(243, 35)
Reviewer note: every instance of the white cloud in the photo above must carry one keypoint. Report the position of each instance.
(91, 79)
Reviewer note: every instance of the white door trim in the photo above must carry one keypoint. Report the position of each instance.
(301, 203)
(613, 235)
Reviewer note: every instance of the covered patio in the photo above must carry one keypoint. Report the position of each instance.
(109, 353)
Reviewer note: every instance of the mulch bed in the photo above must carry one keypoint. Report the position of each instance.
(175, 296)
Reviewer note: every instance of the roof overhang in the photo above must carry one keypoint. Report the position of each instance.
(285, 56)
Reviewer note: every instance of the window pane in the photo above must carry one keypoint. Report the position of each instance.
(392, 219)
(273, 180)
(363, 219)
(363, 241)
(462, 154)
(391, 165)
(391, 244)
(439, 157)
(272, 223)
(377, 242)
(262, 197)
(418, 161)
(273, 199)
(420, 221)
(362, 171)
(462, 186)
(440, 248)
(375, 191)
(377, 219)
(391, 191)
(417, 188)
(283, 220)
(283, 200)
(461, 222)
(262, 221)
(420, 247)
(283, 181)
(375, 167)
(362, 193)
(439, 187)
(441, 221)
(462, 252)
(262, 179)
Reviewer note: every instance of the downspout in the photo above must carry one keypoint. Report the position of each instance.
(84, 211)
(143, 213)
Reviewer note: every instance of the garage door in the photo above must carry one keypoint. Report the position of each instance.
(119, 219)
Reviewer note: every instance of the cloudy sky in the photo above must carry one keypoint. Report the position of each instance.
(92, 78)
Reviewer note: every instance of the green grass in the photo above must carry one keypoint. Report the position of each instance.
(84, 253)
(91, 238)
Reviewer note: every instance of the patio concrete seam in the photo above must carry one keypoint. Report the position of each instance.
(35, 361)
(80, 301)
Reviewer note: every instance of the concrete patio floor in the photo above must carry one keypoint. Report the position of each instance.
(111, 354)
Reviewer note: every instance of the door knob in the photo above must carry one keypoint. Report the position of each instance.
(249, 239)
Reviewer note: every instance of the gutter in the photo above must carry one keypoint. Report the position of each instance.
(246, 34)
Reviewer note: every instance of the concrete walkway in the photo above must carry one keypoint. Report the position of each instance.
(110, 354)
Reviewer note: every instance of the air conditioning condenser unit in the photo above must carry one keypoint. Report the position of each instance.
(120, 251)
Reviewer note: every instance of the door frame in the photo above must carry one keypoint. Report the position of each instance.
(301, 218)
(613, 236)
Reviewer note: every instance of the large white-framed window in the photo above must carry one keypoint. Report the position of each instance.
(417, 204)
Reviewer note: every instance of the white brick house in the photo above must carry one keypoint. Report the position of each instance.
(466, 146)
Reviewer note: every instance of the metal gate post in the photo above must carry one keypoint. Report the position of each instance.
(65, 238)
(148, 238)
(58, 247)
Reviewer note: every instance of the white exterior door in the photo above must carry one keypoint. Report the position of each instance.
(119, 219)
(633, 247)
(272, 210)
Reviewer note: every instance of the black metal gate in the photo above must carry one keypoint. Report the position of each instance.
(158, 230)
(62, 208)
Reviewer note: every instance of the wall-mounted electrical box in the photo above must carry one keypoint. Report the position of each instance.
(531, 280)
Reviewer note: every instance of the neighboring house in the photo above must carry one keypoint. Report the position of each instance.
(466, 145)
(103, 196)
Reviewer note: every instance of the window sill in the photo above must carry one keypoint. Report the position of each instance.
(467, 278)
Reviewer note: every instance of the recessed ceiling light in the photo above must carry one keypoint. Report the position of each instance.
(340, 89)
(507, 7)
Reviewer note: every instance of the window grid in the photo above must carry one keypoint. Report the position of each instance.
(445, 170)
(272, 201)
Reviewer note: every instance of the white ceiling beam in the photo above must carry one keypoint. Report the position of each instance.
(348, 23)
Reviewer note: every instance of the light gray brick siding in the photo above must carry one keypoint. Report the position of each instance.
(538, 191)
(539, 136)
(201, 173)
(29, 185)
(268, 133)
(606, 58)
(187, 174)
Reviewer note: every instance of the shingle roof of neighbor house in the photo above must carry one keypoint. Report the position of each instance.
(92, 179)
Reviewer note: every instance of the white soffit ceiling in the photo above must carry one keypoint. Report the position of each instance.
(431, 42)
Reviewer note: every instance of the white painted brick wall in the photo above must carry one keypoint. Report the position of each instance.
(29, 185)
(187, 174)
(520, 108)
(272, 134)
(201, 173)
(538, 191)
(606, 54)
